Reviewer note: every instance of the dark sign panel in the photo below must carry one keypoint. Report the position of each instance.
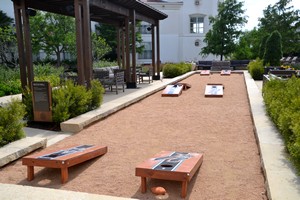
(42, 100)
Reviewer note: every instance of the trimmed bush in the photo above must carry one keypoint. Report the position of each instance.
(11, 125)
(171, 70)
(282, 99)
(256, 69)
(273, 49)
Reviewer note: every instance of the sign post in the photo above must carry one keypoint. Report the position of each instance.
(42, 101)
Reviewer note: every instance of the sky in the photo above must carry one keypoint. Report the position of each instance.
(254, 10)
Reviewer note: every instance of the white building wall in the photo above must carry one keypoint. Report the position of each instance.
(177, 43)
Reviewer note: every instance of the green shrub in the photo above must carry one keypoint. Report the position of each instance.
(11, 125)
(72, 100)
(171, 70)
(282, 100)
(97, 94)
(27, 101)
(256, 69)
(104, 63)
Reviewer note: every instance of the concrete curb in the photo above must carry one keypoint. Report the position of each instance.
(282, 181)
(19, 148)
(19, 192)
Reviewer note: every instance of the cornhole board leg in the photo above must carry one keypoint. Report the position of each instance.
(30, 173)
(64, 175)
(184, 189)
(143, 184)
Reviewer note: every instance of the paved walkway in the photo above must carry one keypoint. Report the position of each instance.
(282, 183)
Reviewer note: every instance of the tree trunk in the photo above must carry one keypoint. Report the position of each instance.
(58, 58)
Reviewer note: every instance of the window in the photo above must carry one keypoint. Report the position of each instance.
(147, 53)
(197, 24)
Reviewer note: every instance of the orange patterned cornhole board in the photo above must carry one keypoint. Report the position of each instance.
(168, 165)
(172, 90)
(62, 159)
(205, 73)
(214, 90)
(225, 72)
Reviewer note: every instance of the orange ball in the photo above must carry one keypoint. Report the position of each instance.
(158, 190)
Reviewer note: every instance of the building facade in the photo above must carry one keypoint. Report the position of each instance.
(183, 32)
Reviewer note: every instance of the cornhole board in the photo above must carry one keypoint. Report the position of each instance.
(225, 72)
(214, 90)
(170, 165)
(172, 90)
(205, 73)
(62, 159)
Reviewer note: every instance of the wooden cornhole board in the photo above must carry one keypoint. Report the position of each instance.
(214, 90)
(172, 90)
(205, 73)
(225, 72)
(169, 165)
(62, 159)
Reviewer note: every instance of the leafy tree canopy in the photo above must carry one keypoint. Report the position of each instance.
(286, 21)
(52, 33)
(5, 20)
(226, 29)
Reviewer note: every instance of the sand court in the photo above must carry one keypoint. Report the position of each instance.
(220, 128)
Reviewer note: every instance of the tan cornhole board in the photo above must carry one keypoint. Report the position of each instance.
(172, 90)
(214, 90)
(169, 165)
(225, 72)
(205, 73)
(62, 159)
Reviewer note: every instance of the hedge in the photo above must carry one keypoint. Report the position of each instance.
(282, 100)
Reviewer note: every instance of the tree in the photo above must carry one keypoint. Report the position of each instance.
(262, 46)
(226, 28)
(5, 20)
(273, 49)
(8, 48)
(53, 33)
(247, 46)
(286, 21)
(99, 47)
(109, 33)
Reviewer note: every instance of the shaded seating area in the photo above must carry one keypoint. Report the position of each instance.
(145, 73)
(111, 82)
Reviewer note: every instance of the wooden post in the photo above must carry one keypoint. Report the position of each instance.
(157, 70)
(87, 50)
(127, 50)
(20, 40)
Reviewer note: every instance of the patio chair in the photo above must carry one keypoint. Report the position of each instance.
(145, 72)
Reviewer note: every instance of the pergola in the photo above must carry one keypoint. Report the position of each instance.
(123, 14)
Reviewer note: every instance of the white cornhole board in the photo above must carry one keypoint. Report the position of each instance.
(214, 90)
(172, 90)
(225, 72)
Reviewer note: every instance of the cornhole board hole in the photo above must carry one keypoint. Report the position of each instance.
(214, 90)
(172, 90)
(225, 72)
(62, 159)
(205, 73)
(169, 165)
